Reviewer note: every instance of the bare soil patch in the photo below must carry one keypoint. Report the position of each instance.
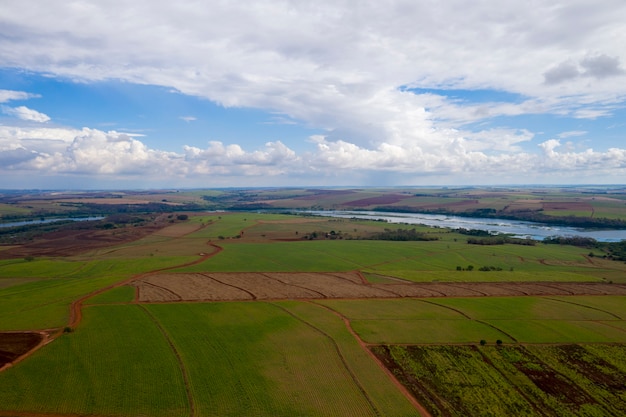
(13, 345)
(567, 206)
(383, 199)
(227, 286)
(72, 242)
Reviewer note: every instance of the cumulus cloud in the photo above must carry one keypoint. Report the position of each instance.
(8, 95)
(91, 153)
(562, 72)
(597, 66)
(601, 66)
(24, 113)
(334, 67)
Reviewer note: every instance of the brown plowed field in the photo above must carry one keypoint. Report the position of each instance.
(226, 286)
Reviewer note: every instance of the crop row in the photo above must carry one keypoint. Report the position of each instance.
(219, 359)
(564, 380)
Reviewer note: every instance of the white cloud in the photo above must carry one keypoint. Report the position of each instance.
(572, 133)
(188, 118)
(24, 113)
(335, 67)
(94, 153)
(8, 95)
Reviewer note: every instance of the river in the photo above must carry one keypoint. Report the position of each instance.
(44, 221)
(536, 231)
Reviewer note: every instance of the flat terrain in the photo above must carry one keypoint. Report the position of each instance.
(234, 286)
(233, 314)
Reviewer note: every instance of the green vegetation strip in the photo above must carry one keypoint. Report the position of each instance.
(563, 380)
(116, 363)
(45, 303)
(469, 320)
(257, 359)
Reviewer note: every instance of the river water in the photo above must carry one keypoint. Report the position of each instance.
(44, 221)
(536, 231)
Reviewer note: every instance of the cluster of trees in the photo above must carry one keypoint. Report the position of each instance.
(402, 235)
(612, 250)
(580, 241)
(482, 268)
(500, 240)
(326, 235)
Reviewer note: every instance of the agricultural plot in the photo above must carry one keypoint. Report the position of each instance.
(224, 286)
(107, 366)
(565, 380)
(210, 359)
(469, 320)
(414, 261)
(237, 319)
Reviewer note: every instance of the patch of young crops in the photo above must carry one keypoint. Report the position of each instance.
(122, 294)
(614, 305)
(39, 268)
(411, 321)
(229, 225)
(543, 320)
(523, 308)
(10, 282)
(332, 255)
(562, 380)
(391, 309)
(115, 363)
(589, 367)
(425, 331)
(257, 359)
(562, 331)
(480, 276)
(44, 304)
(376, 386)
(454, 381)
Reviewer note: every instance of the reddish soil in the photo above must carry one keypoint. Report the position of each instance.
(228, 286)
(70, 241)
(14, 346)
(568, 206)
(324, 193)
(380, 200)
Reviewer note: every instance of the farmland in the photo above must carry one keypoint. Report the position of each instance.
(230, 314)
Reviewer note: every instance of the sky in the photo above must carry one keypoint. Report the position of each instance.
(111, 94)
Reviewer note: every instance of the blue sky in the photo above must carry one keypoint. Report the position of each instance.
(97, 94)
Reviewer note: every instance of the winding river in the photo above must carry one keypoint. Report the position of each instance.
(536, 231)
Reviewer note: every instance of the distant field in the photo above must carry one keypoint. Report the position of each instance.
(325, 308)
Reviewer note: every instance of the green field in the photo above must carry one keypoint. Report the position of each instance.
(313, 358)
(219, 359)
(469, 320)
(564, 380)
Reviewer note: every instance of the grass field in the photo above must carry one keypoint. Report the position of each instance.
(469, 320)
(236, 359)
(105, 367)
(313, 358)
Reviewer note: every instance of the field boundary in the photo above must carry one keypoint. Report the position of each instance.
(266, 286)
(339, 353)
